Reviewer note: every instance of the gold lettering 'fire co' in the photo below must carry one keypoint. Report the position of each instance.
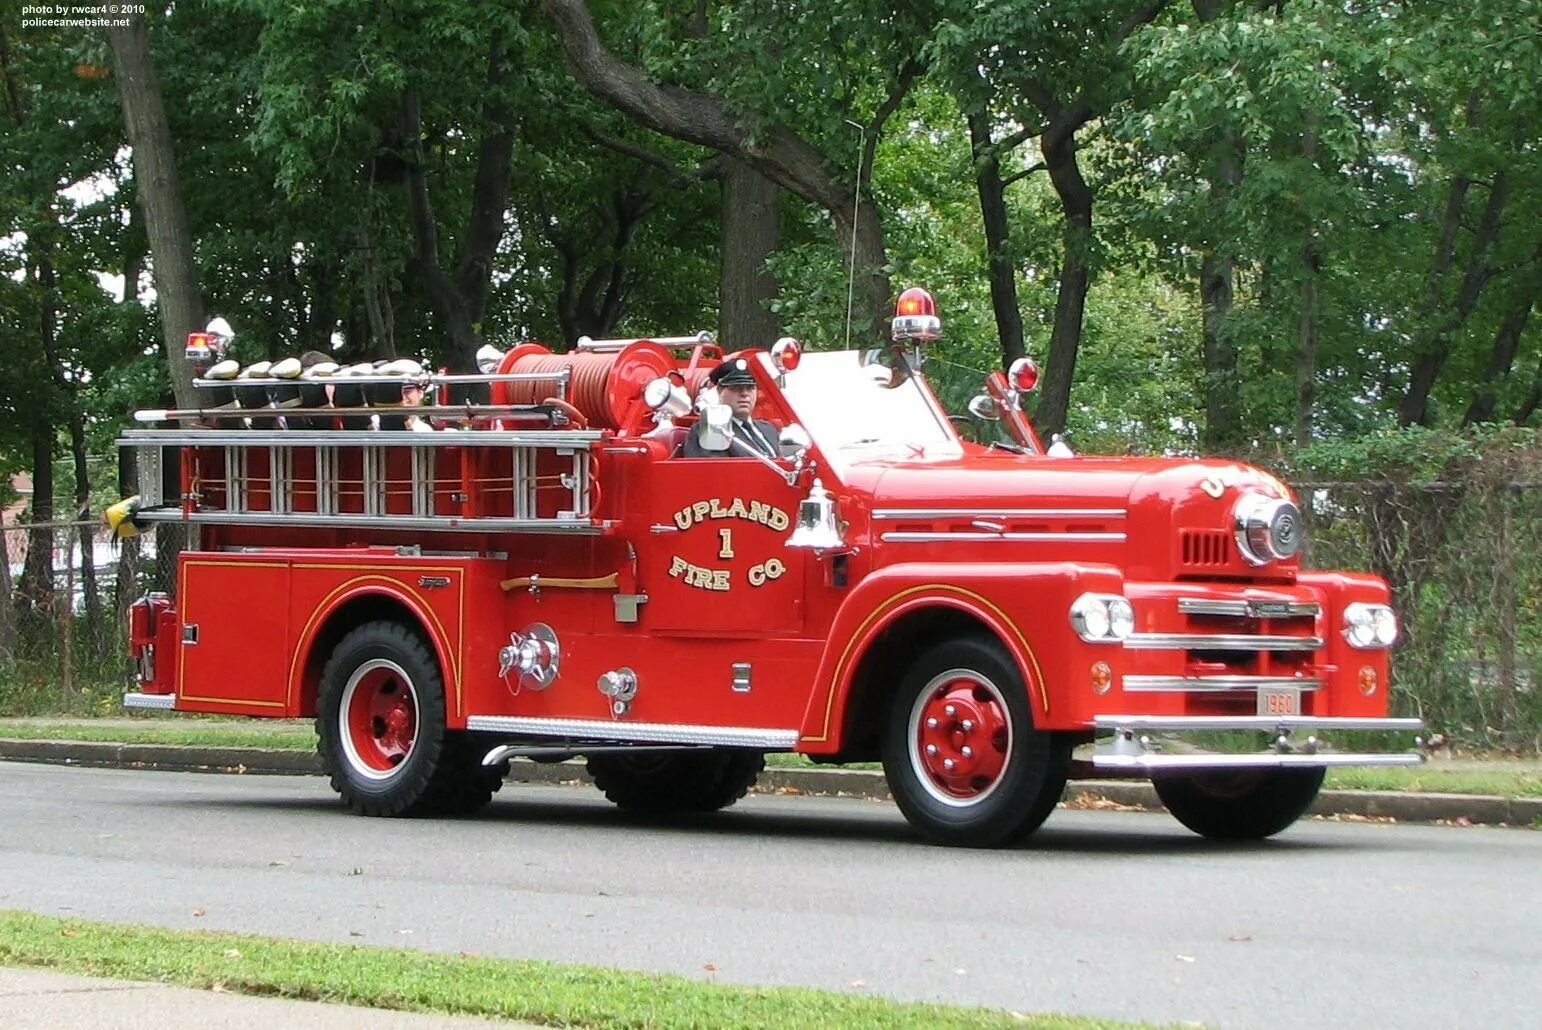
(713, 508)
(708, 509)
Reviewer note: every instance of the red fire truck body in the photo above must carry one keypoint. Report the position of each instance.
(555, 579)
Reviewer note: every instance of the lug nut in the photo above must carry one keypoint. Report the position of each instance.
(968, 726)
(931, 749)
(967, 751)
(947, 763)
(931, 723)
(950, 710)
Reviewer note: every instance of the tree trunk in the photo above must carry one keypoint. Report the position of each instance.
(1306, 341)
(1223, 406)
(1432, 346)
(461, 301)
(7, 601)
(37, 578)
(1533, 399)
(1065, 174)
(752, 229)
(86, 535)
(993, 215)
(1507, 342)
(160, 197)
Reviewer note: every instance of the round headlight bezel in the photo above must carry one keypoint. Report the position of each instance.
(1102, 618)
(1268, 529)
(1370, 627)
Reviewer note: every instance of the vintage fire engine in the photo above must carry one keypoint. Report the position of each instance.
(546, 576)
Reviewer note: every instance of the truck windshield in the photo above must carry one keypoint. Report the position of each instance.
(852, 417)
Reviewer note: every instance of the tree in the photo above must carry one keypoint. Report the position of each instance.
(758, 138)
(160, 197)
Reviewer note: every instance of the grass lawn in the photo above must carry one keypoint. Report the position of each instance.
(1495, 776)
(390, 978)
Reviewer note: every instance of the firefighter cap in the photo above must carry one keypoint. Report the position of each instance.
(734, 372)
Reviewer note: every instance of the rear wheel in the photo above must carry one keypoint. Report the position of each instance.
(1239, 804)
(675, 782)
(962, 757)
(380, 720)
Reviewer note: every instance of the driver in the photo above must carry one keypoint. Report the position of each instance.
(748, 435)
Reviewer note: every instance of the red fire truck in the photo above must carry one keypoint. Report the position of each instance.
(548, 576)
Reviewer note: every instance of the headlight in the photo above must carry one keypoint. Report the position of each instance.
(1370, 625)
(1268, 529)
(1102, 618)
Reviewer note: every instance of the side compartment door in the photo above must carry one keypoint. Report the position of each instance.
(235, 647)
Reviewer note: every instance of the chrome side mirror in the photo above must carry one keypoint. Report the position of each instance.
(794, 441)
(984, 406)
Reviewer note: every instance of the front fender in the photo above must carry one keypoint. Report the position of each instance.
(1024, 605)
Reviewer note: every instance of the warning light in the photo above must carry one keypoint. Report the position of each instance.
(1023, 375)
(915, 317)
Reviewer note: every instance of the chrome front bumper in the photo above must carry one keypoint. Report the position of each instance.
(1133, 746)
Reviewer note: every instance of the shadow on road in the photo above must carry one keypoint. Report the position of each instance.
(845, 821)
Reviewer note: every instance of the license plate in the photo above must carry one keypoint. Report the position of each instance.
(1279, 701)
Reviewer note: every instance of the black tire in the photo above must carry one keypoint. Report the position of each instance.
(1007, 776)
(1239, 804)
(675, 782)
(381, 731)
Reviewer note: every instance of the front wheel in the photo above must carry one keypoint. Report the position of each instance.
(962, 756)
(1239, 804)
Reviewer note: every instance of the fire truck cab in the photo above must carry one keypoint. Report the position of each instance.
(546, 575)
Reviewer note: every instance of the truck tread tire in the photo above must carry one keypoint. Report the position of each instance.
(380, 725)
(1245, 804)
(676, 782)
(966, 699)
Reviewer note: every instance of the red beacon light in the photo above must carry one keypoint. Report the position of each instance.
(201, 348)
(785, 354)
(1023, 376)
(915, 317)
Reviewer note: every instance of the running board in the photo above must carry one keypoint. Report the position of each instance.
(601, 731)
(161, 701)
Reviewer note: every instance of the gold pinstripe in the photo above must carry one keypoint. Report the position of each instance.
(893, 601)
(457, 658)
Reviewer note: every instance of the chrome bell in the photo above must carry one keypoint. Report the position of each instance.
(818, 527)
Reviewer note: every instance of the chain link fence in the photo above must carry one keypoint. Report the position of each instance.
(64, 613)
(1464, 560)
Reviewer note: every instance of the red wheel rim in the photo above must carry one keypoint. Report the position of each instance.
(379, 713)
(961, 738)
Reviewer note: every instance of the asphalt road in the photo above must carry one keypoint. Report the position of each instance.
(1104, 913)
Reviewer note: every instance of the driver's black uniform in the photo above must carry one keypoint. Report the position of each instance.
(756, 436)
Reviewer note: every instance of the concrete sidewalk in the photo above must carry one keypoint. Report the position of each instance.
(36, 999)
(1403, 806)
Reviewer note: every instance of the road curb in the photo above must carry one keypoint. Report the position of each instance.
(1462, 809)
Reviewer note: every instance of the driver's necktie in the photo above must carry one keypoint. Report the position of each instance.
(751, 435)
